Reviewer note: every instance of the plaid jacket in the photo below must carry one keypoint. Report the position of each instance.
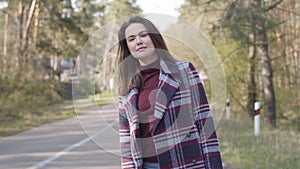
(184, 133)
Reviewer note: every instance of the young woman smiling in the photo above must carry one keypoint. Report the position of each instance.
(165, 120)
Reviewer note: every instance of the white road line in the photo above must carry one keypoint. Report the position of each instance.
(78, 144)
(57, 155)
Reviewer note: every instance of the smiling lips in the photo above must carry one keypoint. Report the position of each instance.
(141, 48)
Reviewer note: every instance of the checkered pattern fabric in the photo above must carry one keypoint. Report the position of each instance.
(184, 133)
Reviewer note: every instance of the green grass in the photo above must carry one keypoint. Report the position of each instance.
(29, 120)
(273, 148)
(104, 95)
(46, 114)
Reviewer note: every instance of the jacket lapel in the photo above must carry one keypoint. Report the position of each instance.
(130, 105)
(167, 87)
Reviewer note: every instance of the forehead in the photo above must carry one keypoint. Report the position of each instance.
(134, 29)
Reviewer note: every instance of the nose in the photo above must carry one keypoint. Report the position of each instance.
(138, 40)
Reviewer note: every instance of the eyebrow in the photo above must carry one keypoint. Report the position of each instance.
(136, 34)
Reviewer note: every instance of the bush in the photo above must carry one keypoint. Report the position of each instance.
(20, 98)
(83, 88)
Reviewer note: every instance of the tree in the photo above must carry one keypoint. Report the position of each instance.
(246, 18)
(286, 59)
(241, 19)
(34, 32)
(206, 16)
(265, 61)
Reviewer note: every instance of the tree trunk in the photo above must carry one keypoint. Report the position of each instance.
(265, 62)
(27, 28)
(267, 79)
(4, 59)
(36, 23)
(251, 77)
(107, 60)
(20, 17)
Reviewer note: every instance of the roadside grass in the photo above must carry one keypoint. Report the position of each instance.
(48, 114)
(273, 148)
(45, 115)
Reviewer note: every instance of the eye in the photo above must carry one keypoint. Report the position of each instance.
(144, 34)
(130, 39)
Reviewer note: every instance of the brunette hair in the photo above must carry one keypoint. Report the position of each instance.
(129, 75)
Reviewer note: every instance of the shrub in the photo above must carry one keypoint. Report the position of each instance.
(20, 98)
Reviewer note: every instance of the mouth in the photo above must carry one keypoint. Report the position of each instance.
(141, 48)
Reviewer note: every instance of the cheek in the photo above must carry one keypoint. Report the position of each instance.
(131, 47)
(150, 43)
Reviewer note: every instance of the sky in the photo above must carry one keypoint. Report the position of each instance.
(151, 6)
(3, 4)
(160, 6)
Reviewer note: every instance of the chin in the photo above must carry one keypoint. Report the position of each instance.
(142, 55)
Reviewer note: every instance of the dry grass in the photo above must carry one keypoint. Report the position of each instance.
(273, 148)
(9, 126)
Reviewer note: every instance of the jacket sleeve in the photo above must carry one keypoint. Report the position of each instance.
(204, 121)
(124, 132)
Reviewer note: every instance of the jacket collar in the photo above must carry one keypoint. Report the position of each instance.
(168, 67)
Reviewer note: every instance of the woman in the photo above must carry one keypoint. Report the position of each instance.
(165, 120)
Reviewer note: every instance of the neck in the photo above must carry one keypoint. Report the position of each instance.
(148, 60)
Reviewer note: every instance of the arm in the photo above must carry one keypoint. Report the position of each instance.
(124, 131)
(204, 121)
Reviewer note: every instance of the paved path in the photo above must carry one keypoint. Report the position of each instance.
(87, 141)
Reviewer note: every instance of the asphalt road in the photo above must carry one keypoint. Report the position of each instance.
(87, 141)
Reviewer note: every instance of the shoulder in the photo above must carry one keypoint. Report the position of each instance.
(190, 71)
(182, 65)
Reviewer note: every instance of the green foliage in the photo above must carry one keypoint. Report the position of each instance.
(61, 34)
(83, 88)
(19, 98)
(121, 8)
(47, 114)
(288, 107)
(234, 60)
(243, 18)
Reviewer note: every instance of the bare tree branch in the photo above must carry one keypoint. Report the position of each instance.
(274, 5)
(284, 10)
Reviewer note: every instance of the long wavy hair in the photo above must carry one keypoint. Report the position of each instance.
(129, 75)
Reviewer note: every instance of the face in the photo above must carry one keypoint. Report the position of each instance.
(140, 44)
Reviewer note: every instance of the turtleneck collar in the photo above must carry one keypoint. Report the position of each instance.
(153, 65)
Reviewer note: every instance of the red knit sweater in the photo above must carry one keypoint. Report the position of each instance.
(146, 102)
